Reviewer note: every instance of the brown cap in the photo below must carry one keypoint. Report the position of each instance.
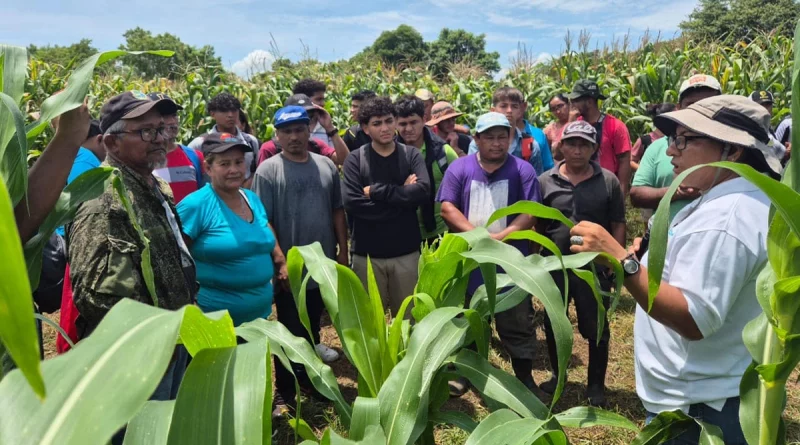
(442, 111)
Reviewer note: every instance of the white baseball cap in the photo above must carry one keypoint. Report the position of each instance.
(698, 81)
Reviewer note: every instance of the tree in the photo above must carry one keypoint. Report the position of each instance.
(735, 20)
(403, 45)
(139, 39)
(457, 46)
(63, 55)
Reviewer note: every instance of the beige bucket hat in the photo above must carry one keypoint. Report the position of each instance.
(731, 119)
(442, 111)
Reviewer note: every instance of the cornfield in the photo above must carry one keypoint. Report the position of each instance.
(631, 79)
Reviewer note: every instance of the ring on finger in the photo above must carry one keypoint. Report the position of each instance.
(576, 240)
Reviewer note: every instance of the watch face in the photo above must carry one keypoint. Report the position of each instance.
(630, 266)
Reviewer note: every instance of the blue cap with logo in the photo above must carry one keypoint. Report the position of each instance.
(490, 120)
(289, 115)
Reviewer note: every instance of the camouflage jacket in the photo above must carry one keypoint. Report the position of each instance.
(105, 252)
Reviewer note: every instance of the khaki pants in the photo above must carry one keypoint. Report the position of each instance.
(396, 278)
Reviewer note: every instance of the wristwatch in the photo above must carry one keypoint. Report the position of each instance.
(333, 131)
(630, 265)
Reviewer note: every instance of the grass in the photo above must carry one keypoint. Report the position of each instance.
(620, 381)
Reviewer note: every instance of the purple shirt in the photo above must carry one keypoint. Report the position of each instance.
(477, 194)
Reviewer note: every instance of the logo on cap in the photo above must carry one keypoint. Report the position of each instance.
(225, 137)
(287, 116)
(697, 78)
(764, 95)
(139, 95)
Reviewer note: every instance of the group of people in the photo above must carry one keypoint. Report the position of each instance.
(221, 213)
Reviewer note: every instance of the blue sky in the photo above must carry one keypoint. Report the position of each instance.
(241, 30)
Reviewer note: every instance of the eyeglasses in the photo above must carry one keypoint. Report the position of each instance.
(558, 107)
(680, 142)
(150, 134)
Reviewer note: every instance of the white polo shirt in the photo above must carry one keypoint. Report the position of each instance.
(716, 248)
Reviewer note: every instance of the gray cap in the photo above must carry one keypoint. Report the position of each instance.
(735, 120)
(580, 129)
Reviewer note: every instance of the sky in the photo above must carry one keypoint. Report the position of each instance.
(247, 33)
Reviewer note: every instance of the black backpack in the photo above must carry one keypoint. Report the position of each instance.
(51, 282)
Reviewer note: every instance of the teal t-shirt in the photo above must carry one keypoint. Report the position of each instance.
(655, 170)
(233, 256)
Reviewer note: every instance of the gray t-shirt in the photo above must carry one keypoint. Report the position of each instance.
(300, 198)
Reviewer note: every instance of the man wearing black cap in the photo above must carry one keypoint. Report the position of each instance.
(105, 251)
(614, 142)
(765, 99)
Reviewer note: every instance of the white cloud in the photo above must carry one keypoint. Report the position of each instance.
(543, 57)
(256, 62)
(517, 22)
(667, 18)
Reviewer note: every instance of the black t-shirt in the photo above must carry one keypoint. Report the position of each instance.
(597, 199)
(463, 142)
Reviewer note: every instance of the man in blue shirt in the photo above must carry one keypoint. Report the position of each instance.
(90, 155)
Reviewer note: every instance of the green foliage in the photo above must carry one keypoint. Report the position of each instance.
(457, 46)
(735, 20)
(401, 46)
(139, 39)
(63, 55)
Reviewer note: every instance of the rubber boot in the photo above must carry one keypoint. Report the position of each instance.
(598, 364)
(523, 370)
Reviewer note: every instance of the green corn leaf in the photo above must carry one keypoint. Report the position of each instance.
(532, 208)
(587, 416)
(303, 429)
(298, 350)
(505, 428)
(356, 320)
(456, 418)
(498, 387)
(134, 343)
(204, 408)
(13, 155)
(402, 395)
(17, 328)
(151, 424)
(395, 343)
(204, 331)
(322, 270)
(534, 280)
(366, 413)
(252, 394)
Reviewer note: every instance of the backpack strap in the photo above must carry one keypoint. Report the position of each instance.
(195, 160)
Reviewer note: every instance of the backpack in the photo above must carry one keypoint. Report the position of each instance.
(527, 146)
(54, 264)
(646, 139)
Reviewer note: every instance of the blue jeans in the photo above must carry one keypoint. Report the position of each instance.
(727, 420)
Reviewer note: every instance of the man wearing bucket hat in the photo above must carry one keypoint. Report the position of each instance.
(613, 140)
(443, 121)
(689, 352)
(582, 191)
(474, 187)
(103, 235)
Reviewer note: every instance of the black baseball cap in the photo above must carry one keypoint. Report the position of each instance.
(585, 88)
(762, 97)
(94, 129)
(222, 142)
(300, 100)
(132, 104)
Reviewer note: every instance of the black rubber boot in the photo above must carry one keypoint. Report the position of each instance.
(598, 364)
(523, 370)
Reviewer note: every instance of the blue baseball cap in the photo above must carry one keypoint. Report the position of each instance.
(289, 115)
(491, 120)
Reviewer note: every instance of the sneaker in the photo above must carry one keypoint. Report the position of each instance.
(550, 386)
(458, 387)
(327, 354)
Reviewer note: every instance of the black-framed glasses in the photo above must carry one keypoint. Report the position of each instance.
(681, 142)
(150, 134)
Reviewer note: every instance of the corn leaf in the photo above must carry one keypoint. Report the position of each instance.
(17, 327)
(134, 343)
(151, 425)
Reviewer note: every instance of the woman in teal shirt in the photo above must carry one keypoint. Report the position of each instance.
(229, 236)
